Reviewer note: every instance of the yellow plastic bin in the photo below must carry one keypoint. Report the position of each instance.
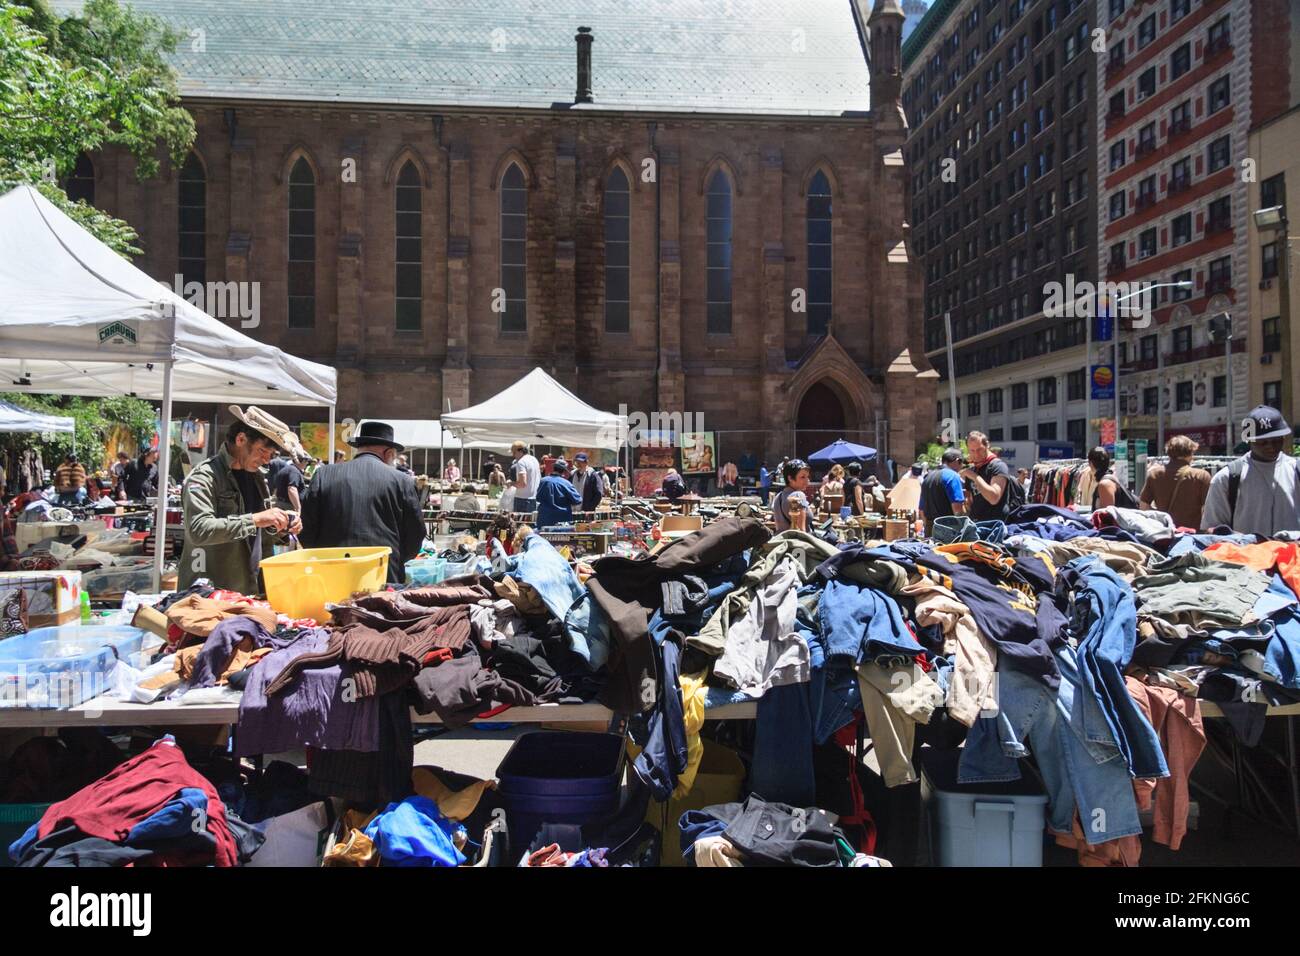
(721, 776)
(301, 583)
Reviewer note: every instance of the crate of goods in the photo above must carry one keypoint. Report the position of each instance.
(130, 575)
(50, 597)
(558, 777)
(987, 824)
(301, 583)
(61, 667)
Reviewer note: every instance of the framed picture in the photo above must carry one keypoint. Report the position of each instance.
(646, 482)
(698, 453)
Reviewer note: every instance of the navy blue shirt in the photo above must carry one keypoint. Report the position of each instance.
(556, 497)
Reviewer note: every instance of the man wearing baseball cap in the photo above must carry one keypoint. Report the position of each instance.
(1259, 493)
(228, 526)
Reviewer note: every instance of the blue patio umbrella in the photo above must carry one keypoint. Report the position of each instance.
(842, 452)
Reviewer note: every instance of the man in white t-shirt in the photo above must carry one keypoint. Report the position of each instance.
(528, 475)
(1259, 493)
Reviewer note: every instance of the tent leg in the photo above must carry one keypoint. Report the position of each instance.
(333, 412)
(164, 470)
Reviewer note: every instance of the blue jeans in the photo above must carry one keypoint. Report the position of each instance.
(1081, 765)
(1105, 618)
(860, 623)
(68, 499)
(525, 505)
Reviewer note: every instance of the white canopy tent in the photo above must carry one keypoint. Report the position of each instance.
(537, 408)
(78, 319)
(14, 418)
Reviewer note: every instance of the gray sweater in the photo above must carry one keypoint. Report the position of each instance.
(1268, 498)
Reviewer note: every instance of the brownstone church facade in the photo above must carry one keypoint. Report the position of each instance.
(718, 229)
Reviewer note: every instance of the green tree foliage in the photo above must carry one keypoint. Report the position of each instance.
(82, 83)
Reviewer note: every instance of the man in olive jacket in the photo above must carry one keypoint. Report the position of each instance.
(228, 526)
(366, 502)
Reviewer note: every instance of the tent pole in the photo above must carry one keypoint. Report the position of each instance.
(164, 471)
(333, 411)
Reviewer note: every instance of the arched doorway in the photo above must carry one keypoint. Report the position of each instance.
(820, 421)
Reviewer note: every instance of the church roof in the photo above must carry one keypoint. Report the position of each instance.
(775, 57)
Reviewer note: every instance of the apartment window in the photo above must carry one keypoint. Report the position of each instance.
(1183, 294)
(1272, 192)
(1146, 31)
(719, 225)
(1182, 340)
(1117, 154)
(995, 434)
(1219, 215)
(1117, 107)
(302, 246)
(1146, 140)
(1020, 396)
(1074, 385)
(191, 226)
(1220, 391)
(1047, 390)
(1218, 95)
(1181, 61)
(1117, 202)
(995, 400)
(1218, 154)
(1218, 38)
(1272, 334)
(1151, 400)
(1180, 175)
(1117, 257)
(1146, 83)
(514, 249)
(1272, 394)
(618, 248)
(1147, 244)
(1268, 261)
(1178, 9)
(1181, 229)
(973, 403)
(1047, 431)
(1183, 397)
(1116, 8)
(1180, 119)
(1020, 433)
(1220, 276)
(1147, 346)
(408, 297)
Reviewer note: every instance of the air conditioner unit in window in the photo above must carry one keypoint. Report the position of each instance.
(1266, 283)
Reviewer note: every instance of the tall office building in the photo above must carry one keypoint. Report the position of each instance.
(1000, 95)
(1182, 84)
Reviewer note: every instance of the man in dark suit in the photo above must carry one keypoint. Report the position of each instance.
(365, 502)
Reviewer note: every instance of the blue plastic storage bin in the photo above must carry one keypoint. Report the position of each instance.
(557, 777)
(61, 667)
(989, 824)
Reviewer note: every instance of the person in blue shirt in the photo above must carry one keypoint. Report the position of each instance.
(941, 490)
(556, 496)
(764, 483)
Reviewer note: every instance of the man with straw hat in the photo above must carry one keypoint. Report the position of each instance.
(228, 526)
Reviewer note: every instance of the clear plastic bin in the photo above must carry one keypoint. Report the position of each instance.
(120, 578)
(989, 824)
(60, 667)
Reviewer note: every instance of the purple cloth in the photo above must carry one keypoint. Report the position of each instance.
(220, 647)
(318, 710)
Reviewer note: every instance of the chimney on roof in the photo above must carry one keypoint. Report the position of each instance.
(584, 38)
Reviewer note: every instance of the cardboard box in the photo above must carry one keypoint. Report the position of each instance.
(53, 597)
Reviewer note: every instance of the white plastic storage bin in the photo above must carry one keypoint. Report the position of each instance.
(991, 824)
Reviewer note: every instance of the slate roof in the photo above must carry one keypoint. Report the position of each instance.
(712, 56)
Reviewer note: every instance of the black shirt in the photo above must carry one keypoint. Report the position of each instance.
(980, 509)
(287, 477)
(141, 480)
(850, 498)
(934, 497)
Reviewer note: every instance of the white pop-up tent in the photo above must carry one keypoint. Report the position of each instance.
(78, 319)
(418, 434)
(16, 419)
(537, 408)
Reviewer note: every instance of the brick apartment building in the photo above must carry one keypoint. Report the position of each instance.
(649, 246)
(1182, 85)
(1003, 89)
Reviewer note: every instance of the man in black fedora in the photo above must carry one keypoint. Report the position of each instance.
(365, 502)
